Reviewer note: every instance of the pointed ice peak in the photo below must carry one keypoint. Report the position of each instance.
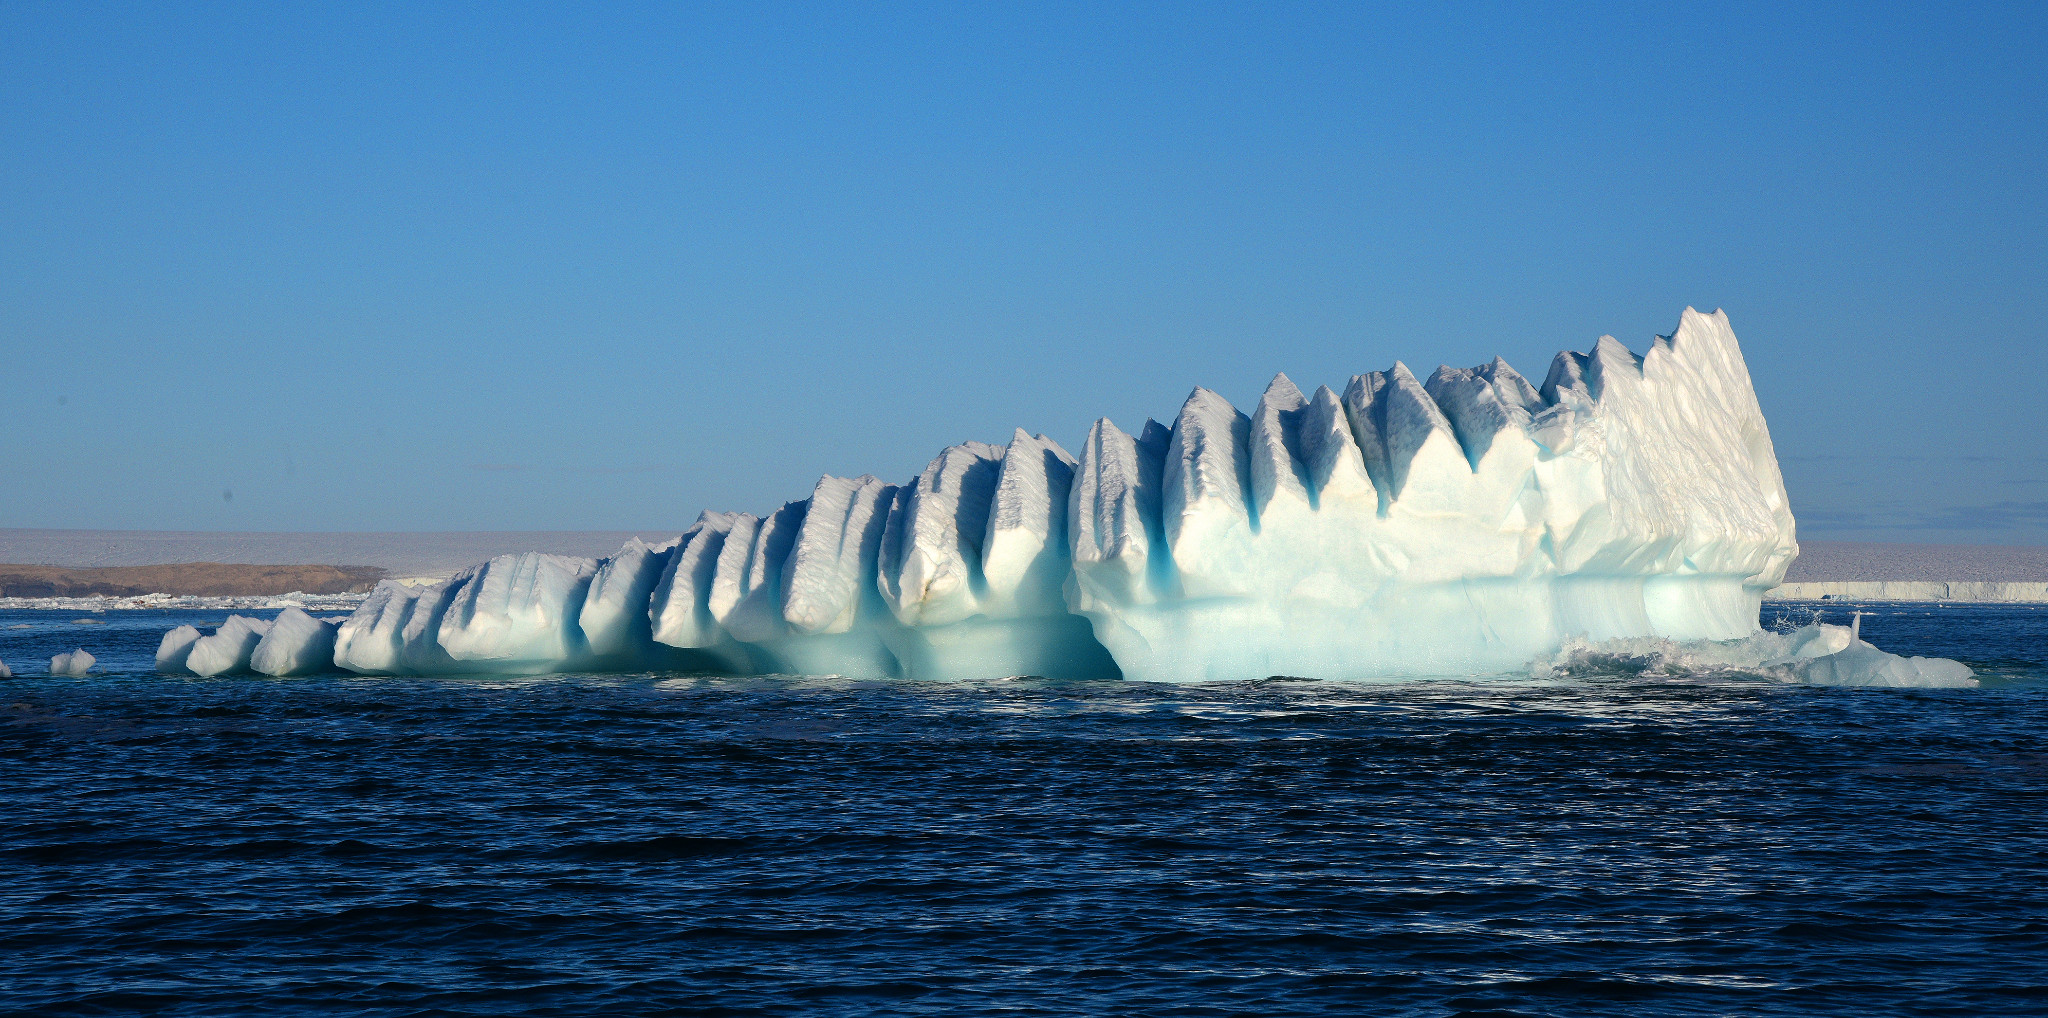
(1567, 380)
(1035, 475)
(1154, 435)
(1204, 485)
(1610, 349)
(1482, 402)
(1336, 469)
(1278, 467)
(1024, 553)
(1391, 416)
(1707, 344)
(1510, 385)
(1113, 523)
(1610, 364)
(1283, 394)
(1695, 326)
(1021, 439)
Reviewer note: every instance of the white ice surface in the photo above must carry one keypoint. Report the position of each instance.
(76, 662)
(175, 648)
(1817, 654)
(297, 644)
(518, 614)
(228, 649)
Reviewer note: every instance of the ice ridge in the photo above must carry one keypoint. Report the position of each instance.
(1470, 523)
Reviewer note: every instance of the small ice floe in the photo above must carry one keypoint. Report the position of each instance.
(77, 662)
(5, 672)
(1818, 654)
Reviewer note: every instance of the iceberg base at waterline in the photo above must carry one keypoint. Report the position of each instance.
(1468, 523)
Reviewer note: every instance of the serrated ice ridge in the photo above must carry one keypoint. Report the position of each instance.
(1468, 522)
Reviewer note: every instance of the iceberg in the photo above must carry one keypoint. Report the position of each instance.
(5, 672)
(1471, 522)
(76, 662)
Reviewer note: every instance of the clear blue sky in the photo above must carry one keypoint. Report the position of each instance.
(503, 267)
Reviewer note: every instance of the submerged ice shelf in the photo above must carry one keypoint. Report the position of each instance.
(1472, 522)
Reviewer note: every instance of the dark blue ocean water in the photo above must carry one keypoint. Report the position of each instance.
(639, 845)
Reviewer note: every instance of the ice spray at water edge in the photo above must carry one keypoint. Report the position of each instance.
(1470, 522)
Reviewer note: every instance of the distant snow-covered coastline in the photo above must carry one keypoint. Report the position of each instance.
(101, 603)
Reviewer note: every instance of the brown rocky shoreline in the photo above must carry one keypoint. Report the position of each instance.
(205, 579)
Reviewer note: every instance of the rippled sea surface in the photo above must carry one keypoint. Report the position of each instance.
(647, 844)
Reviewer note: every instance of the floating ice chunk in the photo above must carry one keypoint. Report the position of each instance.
(5, 672)
(175, 648)
(77, 662)
(1861, 664)
(1817, 654)
(1815, 641)
(297, 644)
(228, 650)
